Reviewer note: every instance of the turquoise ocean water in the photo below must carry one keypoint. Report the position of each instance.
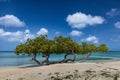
(9, 59)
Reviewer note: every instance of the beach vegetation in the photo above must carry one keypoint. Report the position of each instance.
(58, 45)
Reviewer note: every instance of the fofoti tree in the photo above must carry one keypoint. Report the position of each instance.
(59, 45)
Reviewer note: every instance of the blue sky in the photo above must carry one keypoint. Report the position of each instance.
(92, 21)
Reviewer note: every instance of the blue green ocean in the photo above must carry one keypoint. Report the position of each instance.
(10, 59)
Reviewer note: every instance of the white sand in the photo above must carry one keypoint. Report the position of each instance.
(42, 72)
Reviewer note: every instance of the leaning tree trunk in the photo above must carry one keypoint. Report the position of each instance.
(47, 59)
(86, 57)
(34, 58)
(65, 58)
(74, 57)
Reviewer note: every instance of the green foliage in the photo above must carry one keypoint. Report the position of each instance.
(48, 47)
(66, 45)
(58, 45)
(87, 48)
(102, 48)
(20, 49)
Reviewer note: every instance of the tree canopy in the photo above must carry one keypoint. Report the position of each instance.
(58, 45)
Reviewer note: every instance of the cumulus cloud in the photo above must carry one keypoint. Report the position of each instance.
(11, 21)
(28, 35)
(76, 33)
(42, 31)
(27, 31)
(93, 39)
(17, 36)
(20, 36)
(113, 12)
(117, 25)
(80, 20)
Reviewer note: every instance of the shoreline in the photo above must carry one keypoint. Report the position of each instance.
(43, 72)
(33, 65)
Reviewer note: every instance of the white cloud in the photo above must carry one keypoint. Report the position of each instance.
(113, 12)
(17, 36)
(117, 25)
(80, 20)
(28, 35)
(20, 36)
(93, 39)
(11, 21)
(42, 31)
(27, 31)
(76, 33)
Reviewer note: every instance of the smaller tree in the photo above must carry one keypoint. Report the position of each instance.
(88, 49)
(102, 48)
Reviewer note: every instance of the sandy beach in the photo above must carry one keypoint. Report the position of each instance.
(65, 71)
